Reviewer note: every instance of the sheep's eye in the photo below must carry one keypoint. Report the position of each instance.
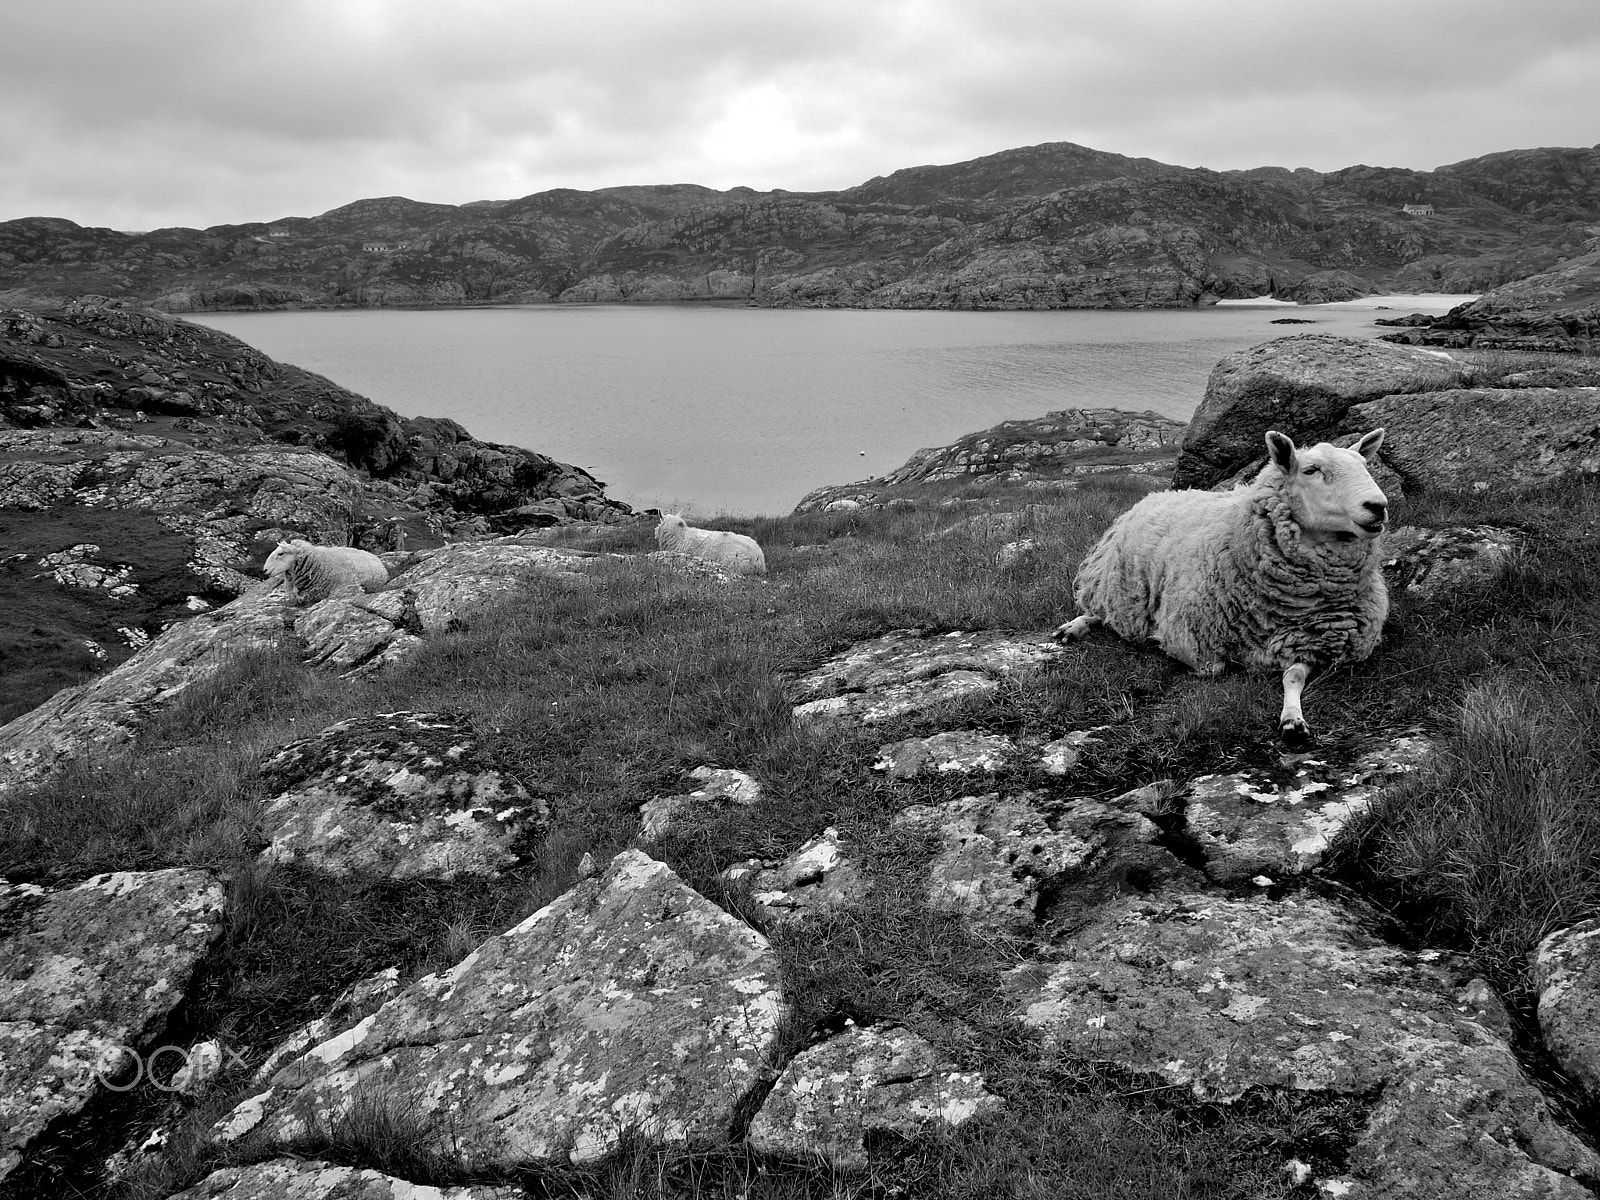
(1311, 471)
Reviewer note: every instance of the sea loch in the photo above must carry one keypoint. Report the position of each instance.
(715, 409)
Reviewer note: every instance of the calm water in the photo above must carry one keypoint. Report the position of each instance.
(743, 410)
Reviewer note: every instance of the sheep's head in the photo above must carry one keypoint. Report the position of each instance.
(1331, 492)
(668, 530)
(279, 561)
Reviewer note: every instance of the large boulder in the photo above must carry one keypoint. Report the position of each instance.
(629, 1005)
(87, 976)
(1566, 970)
(1484, 439)
(1300, 385)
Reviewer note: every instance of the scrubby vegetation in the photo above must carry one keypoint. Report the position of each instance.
(601, 693)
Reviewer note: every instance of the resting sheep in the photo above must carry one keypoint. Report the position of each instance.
(732, 551)
(312, 572)
(1282, 572)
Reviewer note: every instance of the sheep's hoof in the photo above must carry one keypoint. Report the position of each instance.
(1296, 734)
(1072, 630)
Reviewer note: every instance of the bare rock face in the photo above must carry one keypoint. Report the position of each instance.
(959, 752)
(1227, 995)
(836, 1095)
(1302, 386)
(630, 1003)
(87, 975)
(1566, 970)
(401, 795)
(817, 878)
(719, 787)
(1432, 562)
(1274, 824)
(107, 711)
(1485, 439)
(308, 1179)
(999, 855)
(906, 671)
(434, 594)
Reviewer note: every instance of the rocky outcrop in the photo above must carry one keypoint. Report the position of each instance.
(1300, 385)
(907, 671)
(87, 976)
(1059, 447)
(817, 878)
(719, 788)
(399, 795)
(309, 1179)
(1555, 310)
(630, 1005)
(1223, 996)
(863, 1083)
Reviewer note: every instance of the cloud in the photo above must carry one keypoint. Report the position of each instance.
(189, 111)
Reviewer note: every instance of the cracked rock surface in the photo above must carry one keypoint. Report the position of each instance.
(309, 1179)
(85, 971)
(403, 795)
(630, 1002)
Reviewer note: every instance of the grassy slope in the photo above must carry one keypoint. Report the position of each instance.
(601, 695)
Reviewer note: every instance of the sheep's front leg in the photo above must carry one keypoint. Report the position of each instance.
(1074, 629)
(1292, 727)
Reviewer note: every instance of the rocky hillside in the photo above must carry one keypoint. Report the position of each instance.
(148, 465)
(1050, 226)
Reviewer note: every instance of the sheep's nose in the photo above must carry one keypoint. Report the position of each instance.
(1377, 508)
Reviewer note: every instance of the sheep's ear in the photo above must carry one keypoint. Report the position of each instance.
(1280, 449)
(1367, 447)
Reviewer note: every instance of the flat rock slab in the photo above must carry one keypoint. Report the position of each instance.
(437, 594)
(628, 1004)
(817, 878)
(109, 710)
(720, 787)
(403, 795)
(1566, 970)
(906, 671)
(85, 972)
(833, 1097)
(1223, 996)
(1486, 439)
(1432, 562)
(998, 855)
(959, 752)
(1271, 824)
(308, 1179)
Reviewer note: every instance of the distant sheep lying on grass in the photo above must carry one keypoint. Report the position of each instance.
(733, 551)
(311, 572)
(1282, 572)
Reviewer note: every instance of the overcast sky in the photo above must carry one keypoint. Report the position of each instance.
(202, 112)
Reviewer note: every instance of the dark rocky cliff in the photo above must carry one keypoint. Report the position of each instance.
(1050, 226)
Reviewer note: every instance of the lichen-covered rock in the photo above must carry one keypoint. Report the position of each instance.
(107, 711)
(1278, 822)
(1060, 755)
(309, 1179)
(403, 795)
(719, 787)
(1566, 970)
(835, 1096)
(817, 878)
(959, 752)
(361, 999)
(1486, 439)
(1225, 996)
(1302, 385)
(630, 1003)
(437, 593)
(1433, 562)
(87, 975)
(998, 855)
(907, 671)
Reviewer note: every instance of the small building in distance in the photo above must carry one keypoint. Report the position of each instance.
(376, 247)
(1417, 210)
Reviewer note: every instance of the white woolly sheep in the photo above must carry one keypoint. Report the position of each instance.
(733, 551)
(312, 572)
(1283, 572)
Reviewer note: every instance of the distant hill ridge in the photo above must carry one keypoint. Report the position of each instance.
(1056, 225)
